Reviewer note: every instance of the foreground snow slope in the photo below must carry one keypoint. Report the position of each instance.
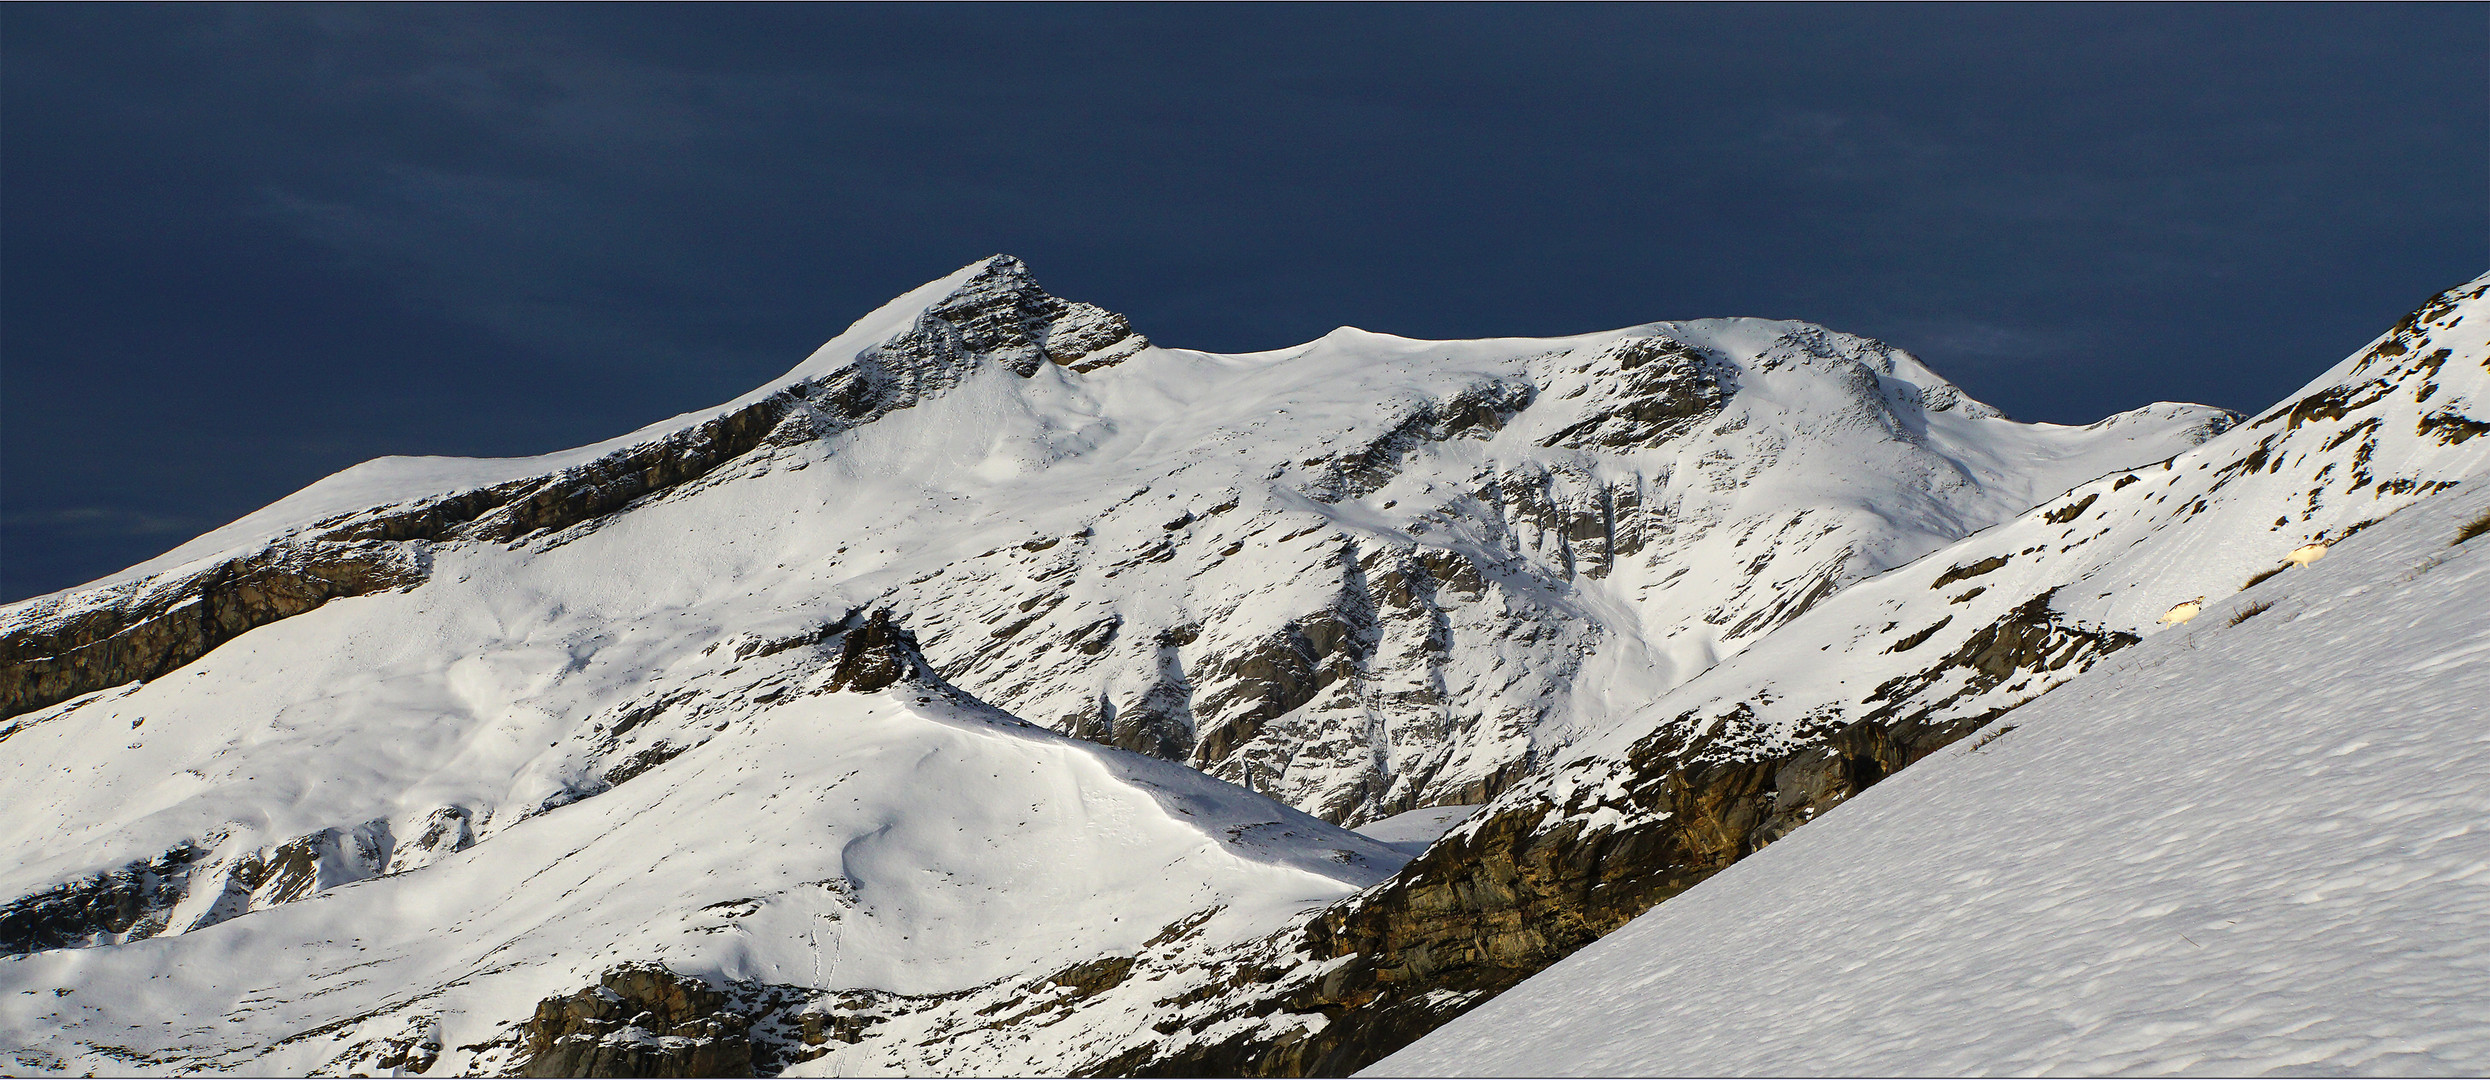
(2256, 843)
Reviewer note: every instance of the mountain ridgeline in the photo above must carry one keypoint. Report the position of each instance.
(998, 691)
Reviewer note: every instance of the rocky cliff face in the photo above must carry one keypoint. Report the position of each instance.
(122, 904)
(637, 1021)
(51, 656)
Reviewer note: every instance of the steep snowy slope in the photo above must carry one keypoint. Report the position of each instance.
(1360, 575)
(2256, 843)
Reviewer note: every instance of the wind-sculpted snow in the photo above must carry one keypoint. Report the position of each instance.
(2253, 844)
(716, 723)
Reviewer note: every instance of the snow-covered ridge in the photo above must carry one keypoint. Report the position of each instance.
(1223, 560)
(996, 292)
(2389, 425)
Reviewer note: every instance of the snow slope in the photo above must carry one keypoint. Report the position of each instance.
(2252, 844)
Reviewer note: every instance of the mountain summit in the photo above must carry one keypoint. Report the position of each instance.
(996, 666)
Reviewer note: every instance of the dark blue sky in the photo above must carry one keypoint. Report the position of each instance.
(241, 248)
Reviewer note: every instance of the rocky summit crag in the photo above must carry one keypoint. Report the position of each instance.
(997, 691)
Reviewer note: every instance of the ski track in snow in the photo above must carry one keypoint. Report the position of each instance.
(2235, 849)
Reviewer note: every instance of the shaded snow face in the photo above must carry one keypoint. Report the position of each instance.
(2251, 844)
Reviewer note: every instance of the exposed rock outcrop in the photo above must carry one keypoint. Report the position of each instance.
(83, 643)
(201, 883)
(256, 879)
(1476, 412)
(875, 655)
(124, 904)
(450, 830)
(639, 1020)
(1661, 389)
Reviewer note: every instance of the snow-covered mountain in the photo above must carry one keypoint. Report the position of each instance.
(782, 735)
(1359, 575)
(2251, 844)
